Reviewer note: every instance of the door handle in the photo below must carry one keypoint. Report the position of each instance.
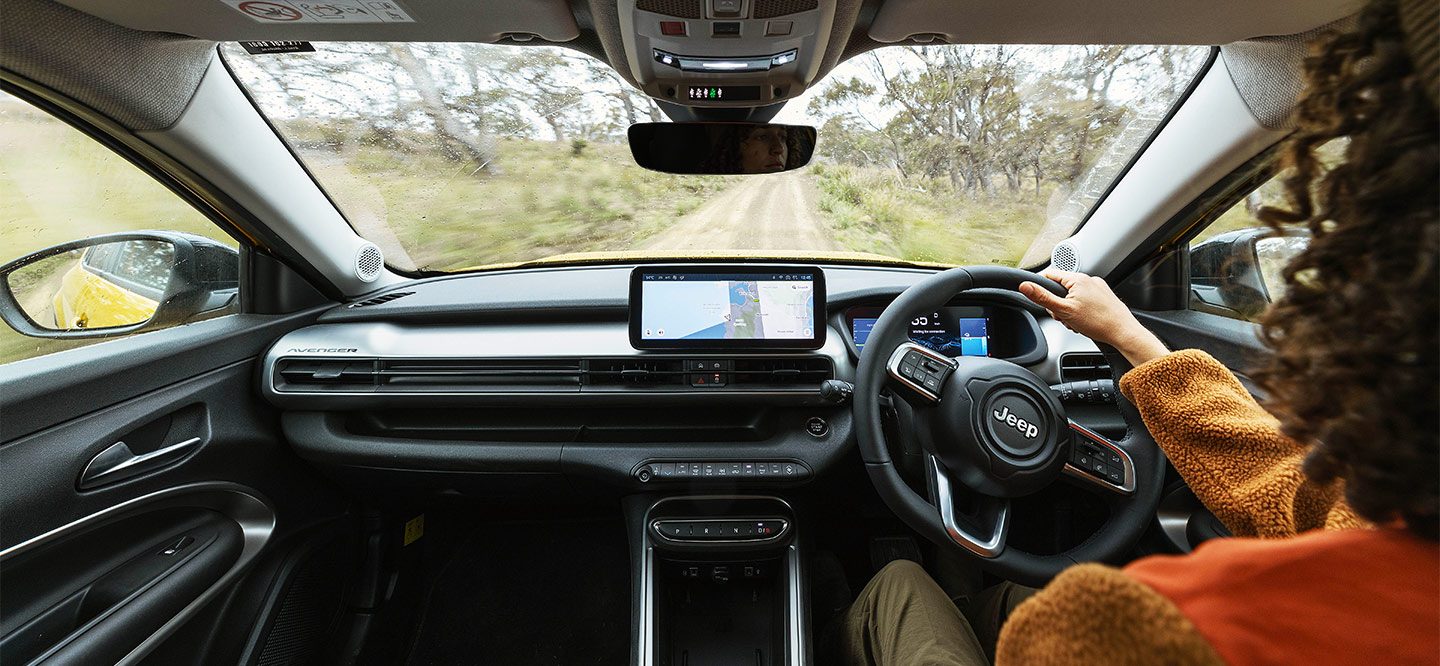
(117, 462)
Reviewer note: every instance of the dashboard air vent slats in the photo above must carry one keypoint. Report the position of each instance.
(1083, 366)
(786, 371)
(427, 375)
(467, 375)
(627, 372)
(385, 298)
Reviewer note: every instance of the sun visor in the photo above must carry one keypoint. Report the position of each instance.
(344, 20)
(1102, 21)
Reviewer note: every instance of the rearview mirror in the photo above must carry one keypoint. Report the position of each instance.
(721, 148)
(116, 283)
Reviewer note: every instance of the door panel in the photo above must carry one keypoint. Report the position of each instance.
(1233, 342)
(104, 573)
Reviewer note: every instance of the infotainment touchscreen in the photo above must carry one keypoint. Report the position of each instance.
(718, 307)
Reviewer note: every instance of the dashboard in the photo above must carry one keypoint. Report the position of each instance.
(540, 373)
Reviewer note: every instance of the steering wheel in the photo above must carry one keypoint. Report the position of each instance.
(995, 429)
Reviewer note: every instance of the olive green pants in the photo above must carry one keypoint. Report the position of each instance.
(903, 618)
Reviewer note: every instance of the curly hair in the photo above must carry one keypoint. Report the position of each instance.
(1356, 357)
(725, 152)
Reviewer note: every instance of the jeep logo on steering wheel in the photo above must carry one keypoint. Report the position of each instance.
(1026, 428)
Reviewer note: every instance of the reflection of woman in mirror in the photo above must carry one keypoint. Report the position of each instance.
(741, 148)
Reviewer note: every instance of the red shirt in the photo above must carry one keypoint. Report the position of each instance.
(1361, 596)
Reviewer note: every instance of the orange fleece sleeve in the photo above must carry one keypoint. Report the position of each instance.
(1230, 450)
(1094, 614)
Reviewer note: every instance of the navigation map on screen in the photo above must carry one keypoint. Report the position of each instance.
(727, 306)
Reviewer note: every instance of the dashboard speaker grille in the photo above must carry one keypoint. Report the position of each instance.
(369, 262)
(677, 8)
(773, 8)
(1063, 257)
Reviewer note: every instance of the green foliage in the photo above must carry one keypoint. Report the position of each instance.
(577, 147)
(545, 200)
(873, 209)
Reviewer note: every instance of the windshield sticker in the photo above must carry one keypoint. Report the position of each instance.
(334, 11)
(277, 46)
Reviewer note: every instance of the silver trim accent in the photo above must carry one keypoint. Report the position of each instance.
(254, 515)
(647, 606)
(892, 367)
(550, 341)
(784, 530)
(1126, 488)
(118, 458)
(944, 497)
(794, 611)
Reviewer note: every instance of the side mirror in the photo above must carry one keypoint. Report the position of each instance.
(721, 148)
(1240, 271)
(116, 284)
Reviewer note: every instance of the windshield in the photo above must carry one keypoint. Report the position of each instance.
(463, 156)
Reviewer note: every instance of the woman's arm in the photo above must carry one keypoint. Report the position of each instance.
(1226, 446)
(1229, 449)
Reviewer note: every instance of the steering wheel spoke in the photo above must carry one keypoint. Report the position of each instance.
(1098, 462)
(981, 531)
(920, 370)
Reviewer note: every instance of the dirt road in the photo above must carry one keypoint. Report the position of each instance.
(774, 212)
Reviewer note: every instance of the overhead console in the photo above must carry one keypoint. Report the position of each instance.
(722, 53)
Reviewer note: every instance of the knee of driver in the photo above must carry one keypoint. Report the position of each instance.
(901, 578)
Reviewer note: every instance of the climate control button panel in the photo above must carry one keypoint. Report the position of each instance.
(758, 470)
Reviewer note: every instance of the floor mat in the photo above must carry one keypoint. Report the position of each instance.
(523, 594)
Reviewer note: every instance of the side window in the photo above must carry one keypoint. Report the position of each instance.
(1236, 263)
(91, 247)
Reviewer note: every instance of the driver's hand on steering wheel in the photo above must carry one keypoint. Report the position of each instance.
(1094, 311)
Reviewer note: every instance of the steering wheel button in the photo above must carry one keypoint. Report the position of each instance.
(1114, 458)
(1115, 477)
(1084, 461)
(932, 382)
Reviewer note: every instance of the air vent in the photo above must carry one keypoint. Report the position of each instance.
(385, 298)
(477, 375)
(1083, 366)
(427, 375)
(751, 372)
(629, 372)
(341, 375)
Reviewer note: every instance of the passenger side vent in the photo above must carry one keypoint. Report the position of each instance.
(477, 375)
(386, 298)
(751, 372)
(340, 375)
(623, 372)
(427, 375)
(1083, 366)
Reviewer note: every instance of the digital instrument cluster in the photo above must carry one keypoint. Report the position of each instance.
(953, 331)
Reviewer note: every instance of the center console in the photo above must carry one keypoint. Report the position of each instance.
(718, 582)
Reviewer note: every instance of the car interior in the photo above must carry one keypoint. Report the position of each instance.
(315, 424)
